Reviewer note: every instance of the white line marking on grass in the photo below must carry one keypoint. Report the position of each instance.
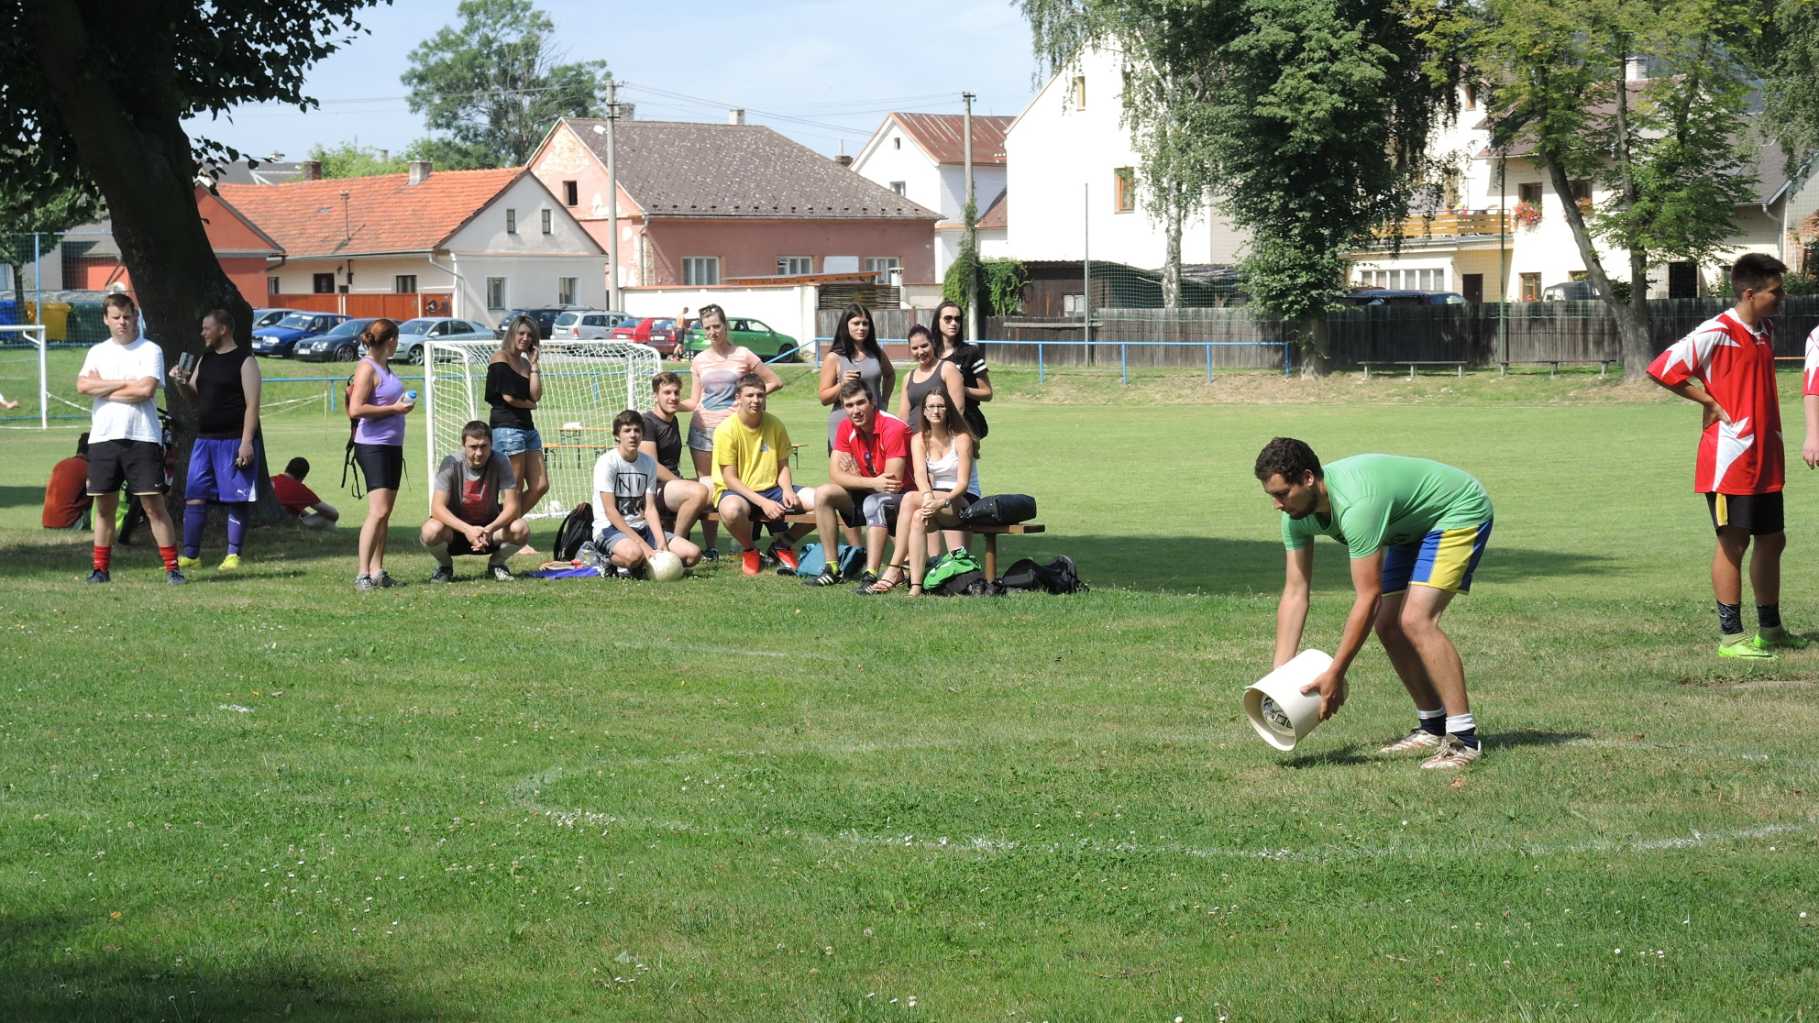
(669, 645)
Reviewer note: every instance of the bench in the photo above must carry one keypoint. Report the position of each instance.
(991, 534)
(1553, 365)
(1413, 364)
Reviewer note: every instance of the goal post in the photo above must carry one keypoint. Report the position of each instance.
(585, 384)
(16, 380)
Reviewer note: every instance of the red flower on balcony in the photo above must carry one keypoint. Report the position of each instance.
(1526, 214)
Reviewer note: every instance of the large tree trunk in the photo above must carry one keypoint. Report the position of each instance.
(1314, 341)
(1631, 316)
(132, 144)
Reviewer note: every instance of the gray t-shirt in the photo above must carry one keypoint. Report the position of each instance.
(628, 482)
(474, 495)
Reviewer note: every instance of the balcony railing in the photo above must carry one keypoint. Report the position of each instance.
(1449, 224)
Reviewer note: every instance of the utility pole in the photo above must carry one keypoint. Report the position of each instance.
(612, 197)
(972, 223)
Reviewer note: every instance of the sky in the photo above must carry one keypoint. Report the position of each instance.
(823, 72)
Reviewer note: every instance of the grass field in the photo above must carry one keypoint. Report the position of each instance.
(267, 797)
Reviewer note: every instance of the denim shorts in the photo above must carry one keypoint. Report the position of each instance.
(610, 535)
(516, 440)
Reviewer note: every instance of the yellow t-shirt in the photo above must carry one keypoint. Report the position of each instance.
(757, 454)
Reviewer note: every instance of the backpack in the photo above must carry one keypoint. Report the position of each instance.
(959, 574)
(577, 529)
(999, 510)
(1058, 576)
(812, 558)
(353, 424)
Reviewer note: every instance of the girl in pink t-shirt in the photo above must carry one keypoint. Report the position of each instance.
(713, 383)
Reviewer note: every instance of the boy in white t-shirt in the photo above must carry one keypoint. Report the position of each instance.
(625, 502)
(125, 442)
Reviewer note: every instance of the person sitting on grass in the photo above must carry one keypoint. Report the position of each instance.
(945, 456)
(752, 483)
(868, 473)
(311, 511)
(680, 501)
(66, 497)
(1415, 530)
(474, 509)
(625, 502)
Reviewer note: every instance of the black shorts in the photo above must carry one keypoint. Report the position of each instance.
(1758, 514)
(137, 463)
(381, 465)
(854, 516)
(460, 548)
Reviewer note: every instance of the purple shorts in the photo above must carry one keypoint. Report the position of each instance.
(213, 476)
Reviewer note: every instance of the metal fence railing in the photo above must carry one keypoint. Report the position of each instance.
(1043, 354)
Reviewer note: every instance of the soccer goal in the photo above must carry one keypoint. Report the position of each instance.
(585, 384)
(23, 376)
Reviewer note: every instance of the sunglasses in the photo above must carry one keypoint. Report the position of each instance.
(950, 319)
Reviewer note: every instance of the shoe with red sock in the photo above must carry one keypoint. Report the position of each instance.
(784, 555)
(750, 561)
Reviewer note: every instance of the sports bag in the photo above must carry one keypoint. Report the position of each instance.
(577, 529)
(999, 510)
(959, 574)
(812, 558)
(1058, 576)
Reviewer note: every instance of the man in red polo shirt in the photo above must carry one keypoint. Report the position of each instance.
(868, 474)
(1727, 366)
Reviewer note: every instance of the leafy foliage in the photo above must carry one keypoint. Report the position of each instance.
(491, 86)
(352, 160)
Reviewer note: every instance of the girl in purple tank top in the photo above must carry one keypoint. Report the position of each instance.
(378, 404)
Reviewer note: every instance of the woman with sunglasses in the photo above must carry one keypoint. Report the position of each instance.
(970, 358)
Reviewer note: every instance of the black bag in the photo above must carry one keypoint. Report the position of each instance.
(1058, 576)
(999, 510)
(971, 583)
(577, 529)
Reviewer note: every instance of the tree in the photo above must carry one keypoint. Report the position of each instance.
(97, 91)
(352, 160)
(1308, 119)
(1674, 150)
(490, 87)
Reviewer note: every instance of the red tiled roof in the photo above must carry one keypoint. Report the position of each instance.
(943, 136)
(383, 213)
(997, 215)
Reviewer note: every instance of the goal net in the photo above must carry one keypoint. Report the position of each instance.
(585, 384)
(23, 378)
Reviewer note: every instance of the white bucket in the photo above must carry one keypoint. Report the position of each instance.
(1277, 709)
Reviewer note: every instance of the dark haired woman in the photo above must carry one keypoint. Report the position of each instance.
(969, 357)
(854, 355)
(378, 404)
(929, 373)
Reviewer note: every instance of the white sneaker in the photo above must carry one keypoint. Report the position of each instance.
(1418, 741)
(1453, 755)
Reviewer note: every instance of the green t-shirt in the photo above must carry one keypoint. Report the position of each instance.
(1384, 500)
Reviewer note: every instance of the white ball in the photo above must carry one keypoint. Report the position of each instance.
(665, 567)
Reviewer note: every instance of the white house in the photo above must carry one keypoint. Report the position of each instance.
(472, 244)
(1072, 179)
(923, 158)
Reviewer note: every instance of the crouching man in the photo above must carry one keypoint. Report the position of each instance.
(474, 509)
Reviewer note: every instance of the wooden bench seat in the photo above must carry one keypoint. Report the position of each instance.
(991, 534)
(1458, 365)
(1554, 365)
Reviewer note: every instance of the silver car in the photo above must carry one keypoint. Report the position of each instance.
(588, 324)
(413, 334)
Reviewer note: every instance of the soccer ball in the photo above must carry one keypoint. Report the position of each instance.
(665, 567)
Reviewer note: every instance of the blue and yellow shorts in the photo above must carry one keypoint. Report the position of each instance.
(1444, 559)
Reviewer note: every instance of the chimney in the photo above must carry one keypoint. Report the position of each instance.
(844, 160)
(310, 170)
(420, 171)
(735, 116)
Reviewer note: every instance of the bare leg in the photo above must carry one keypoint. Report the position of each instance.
(736, 514)
(534, 479)
(704, 473)
(373, 530)
(164, 532)
(1765, 568)
(1402, 653)
(434, 536)
(106, 507)
(1727, 565)
(690, 501)
(830, 500)
(1420, 622)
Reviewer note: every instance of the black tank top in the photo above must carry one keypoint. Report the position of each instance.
(917, 390)
(218, 390)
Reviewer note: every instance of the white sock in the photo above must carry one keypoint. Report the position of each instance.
(1458, 724)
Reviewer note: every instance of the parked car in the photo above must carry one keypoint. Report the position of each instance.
(585, 324)
(280, 339)
(1397, 296)
(545, 317)
(1569, 291)
(745, 332)
(413, 334)
(339, 345)
(656, 331)
(269, 316)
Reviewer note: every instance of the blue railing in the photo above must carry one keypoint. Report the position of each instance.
(1124, 347)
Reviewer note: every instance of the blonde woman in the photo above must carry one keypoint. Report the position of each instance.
(514, 386)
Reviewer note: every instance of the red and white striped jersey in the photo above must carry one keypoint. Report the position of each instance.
(1812, 363)
(1736, 365)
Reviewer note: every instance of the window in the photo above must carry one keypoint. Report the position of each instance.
(271, 286)
(882, 266)
(791, 266)
(495, 293)
(405, 284)
(1471, 96)
(1530, 193)
(1073, 305)
(565, 291)
(1124, 189)
(323, 284)
(549, 222)
(511, 221)
(900, 187)
(896, 142)
(1531, 287)
(1079, 92)
(571, 194)
(701, 269)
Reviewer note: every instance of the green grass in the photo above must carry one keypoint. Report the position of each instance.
(266, 797)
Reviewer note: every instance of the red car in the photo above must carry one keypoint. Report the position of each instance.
(657, 331)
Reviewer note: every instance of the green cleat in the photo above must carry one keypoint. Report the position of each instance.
(1778, 638)
(1744, 647)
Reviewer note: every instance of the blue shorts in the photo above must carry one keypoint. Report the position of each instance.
(516, 440)
(1444, 559)
(213, 476)
(609, 536)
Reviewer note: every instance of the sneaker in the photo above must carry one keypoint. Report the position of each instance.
(231, 563)
(1453, 755)
(1418, 741)
(866, 578)
(750, 562)
(499, 572)
(1778, 638)
(385, 581)
(175, 578)
(828, 576)
(184, 561)
(364, 584)
(711, 554)
(99, 575)
(1744, 647)
(784, 554)
(443, 574)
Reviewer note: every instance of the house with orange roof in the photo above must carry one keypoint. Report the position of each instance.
(923, 158)
(471, 244)
(90, 259)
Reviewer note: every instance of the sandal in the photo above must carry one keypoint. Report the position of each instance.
(915, 589)
(893, 575)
